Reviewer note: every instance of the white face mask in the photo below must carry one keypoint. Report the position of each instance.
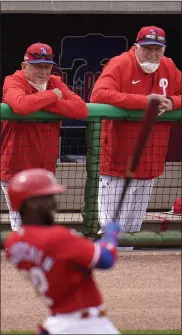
(38, 87)
(149, 67)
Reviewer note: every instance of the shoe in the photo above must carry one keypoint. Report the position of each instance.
(101, 231)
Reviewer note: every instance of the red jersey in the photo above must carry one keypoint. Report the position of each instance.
(59, 264)
(123, 84)
(26, 145)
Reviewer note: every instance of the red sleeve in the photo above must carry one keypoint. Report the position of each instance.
(177, 98)
(70, 106)
(22, 103)
(77, 249)
(108, 85)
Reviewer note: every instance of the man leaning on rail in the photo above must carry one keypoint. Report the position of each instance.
(26, 145)
(129, 81)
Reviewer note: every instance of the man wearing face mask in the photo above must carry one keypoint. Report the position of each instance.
(26, 145)
(129, 81)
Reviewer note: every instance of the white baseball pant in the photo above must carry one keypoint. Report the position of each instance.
(73, 324)
(14, 217)
(134, 206)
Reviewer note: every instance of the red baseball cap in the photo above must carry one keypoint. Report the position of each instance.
(151, 35)
(39, 53)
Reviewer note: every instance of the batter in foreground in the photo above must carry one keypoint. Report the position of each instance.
(58, 262)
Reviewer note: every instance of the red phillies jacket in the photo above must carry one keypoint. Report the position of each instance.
(27, 145)
(123, 84)
(63, 260)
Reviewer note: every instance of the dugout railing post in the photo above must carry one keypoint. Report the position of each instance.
(90, 211)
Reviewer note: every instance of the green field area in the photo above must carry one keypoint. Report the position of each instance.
(127, 332)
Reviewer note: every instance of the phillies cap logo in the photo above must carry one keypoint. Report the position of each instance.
(153, 32)
(44, 51)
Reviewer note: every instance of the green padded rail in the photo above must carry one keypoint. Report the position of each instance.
(142, 239)
(95, 111)
(148, 239)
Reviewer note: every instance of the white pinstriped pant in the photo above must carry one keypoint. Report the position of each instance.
(134, 206)
(14, 217)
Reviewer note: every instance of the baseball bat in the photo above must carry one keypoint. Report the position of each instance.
(144, 131)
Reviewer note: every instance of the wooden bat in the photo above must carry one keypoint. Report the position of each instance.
(145, 128)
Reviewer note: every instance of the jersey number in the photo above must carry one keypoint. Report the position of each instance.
(40, 283)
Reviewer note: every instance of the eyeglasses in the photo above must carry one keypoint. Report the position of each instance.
(41, 56)
(153, 37)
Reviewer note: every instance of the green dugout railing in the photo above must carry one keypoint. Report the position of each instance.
(97, 112)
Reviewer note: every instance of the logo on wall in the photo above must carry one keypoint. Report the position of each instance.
(82, 58)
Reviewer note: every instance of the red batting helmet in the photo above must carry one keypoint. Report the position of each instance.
(30, 184)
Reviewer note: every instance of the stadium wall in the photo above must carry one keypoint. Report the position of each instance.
(111, 7)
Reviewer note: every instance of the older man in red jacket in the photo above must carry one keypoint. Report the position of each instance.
(26, 145)
(129, 81)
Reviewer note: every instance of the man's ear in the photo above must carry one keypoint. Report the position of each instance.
(136, 46)
(23, 65)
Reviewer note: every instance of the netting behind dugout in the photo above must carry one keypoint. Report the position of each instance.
(74, 170)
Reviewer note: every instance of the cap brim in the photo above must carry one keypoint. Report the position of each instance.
(38, 61)
(51, 190)
(55, 189)
(151, 43)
